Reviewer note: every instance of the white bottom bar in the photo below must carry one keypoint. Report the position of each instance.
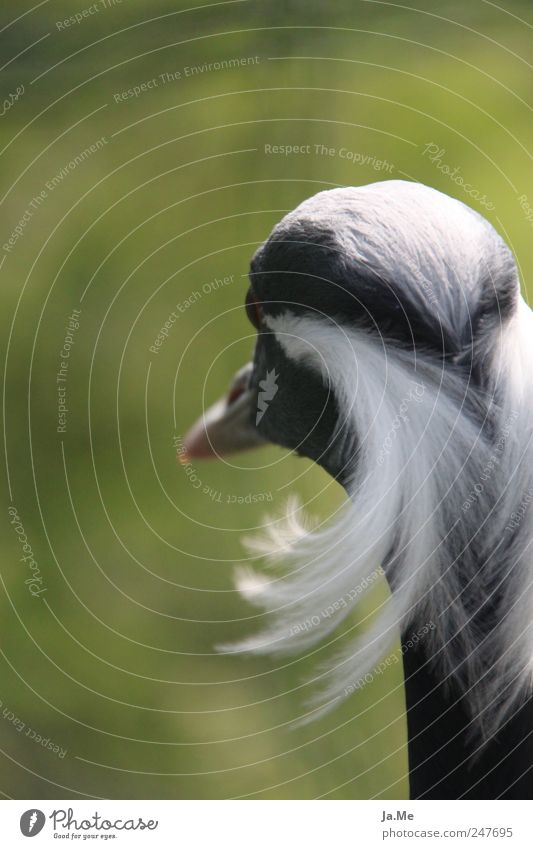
(265, 824)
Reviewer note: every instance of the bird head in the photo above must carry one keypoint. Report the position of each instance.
(393, 349)
(401, 265)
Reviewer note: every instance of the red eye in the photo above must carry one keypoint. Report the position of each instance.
(254, 310)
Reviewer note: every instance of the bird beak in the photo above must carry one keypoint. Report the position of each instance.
(227, 426)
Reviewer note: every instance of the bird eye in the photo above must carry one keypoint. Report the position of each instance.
(254, 310)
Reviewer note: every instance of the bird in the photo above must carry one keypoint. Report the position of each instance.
(397, 353)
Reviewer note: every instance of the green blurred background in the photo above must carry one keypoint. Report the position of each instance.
(115, 662)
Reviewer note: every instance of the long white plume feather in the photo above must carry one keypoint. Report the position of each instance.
(439, 497)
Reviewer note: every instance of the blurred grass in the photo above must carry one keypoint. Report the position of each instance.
(118, 665)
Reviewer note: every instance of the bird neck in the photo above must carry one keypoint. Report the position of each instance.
(447, 760)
